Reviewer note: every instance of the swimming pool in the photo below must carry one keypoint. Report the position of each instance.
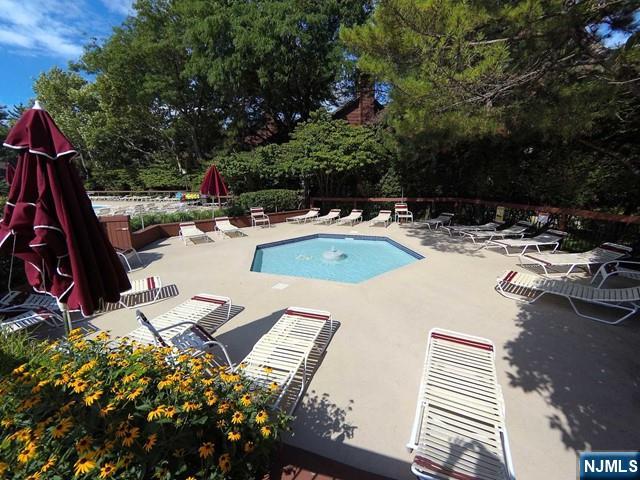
(339, 258)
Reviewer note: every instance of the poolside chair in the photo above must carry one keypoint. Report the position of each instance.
(517, 231)
(620, 268)
(181, 326)
(434, 223)
(550, 262)
(311, 214)
(189, 231)
(354, 217)
(29, 319)
(258, 217)
(126, 253)
(14, 300)
(550, 238)
(383, 217)
(224, 227)
(530, 287)
(486, 227)
(333, 215)
(402, 212)
(144, 291)
(282, 354)
(459, 431)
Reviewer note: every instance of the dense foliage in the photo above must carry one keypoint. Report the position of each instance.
(103, 409)
(276, 200)
(181, 79)
(525, 100)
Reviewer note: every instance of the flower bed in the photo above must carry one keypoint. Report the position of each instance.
(101, 409)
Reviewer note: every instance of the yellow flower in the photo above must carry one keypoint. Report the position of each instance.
(84, 444)
(3, 467)
(249, 447)
(150, 443)
(223, 407)
(66, 408)
(233, 436)
(61, 429)
(212, 398)
(206, 450)
(84, 465)
(90, 365)
(162, 384)
(129, 378)
(238, 387)
(273, 386)
(261, 417)
(207, 381)
(245, 400)
(237, 418)
(20, 370)
(38, 387)
(224, 462)
(266, 431)
(191, 477)
(48, 464)
(28, 403)
(106, 410)
(169, 412)
(107, 470)
(130, 435)
(155, 413)
(268, 370)
(92, 397)
(103, 336)
(135, 393)
(6, 423)
(28, 453)
(79, 385)
(191, 406)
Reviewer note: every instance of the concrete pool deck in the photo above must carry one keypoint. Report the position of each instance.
(569, 383)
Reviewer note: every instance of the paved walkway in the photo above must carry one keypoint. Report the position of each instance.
(569, 384)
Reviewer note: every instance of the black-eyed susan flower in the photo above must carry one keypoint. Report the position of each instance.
(27, 453)
(245, 400)
(49, 464)
(233, 435)
(206, 450)
(238, 387)
(237, 418)
(155, 413)
(169, 412)
(84, 444)
(268, 370)
(223, 407)
(79, 385)
(266, 431)
(248, 447)
(93, 397)
(150, 442)
(84, 465)
(261, 417)
(191, 406)
(130, 435)
(107, 470)
(61, 429)
(273, 387)
(224, 462)
(104, 411)
(135, 393)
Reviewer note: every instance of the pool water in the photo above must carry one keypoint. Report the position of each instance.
(364, 257)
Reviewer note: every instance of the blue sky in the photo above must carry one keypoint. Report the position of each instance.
(35, 35)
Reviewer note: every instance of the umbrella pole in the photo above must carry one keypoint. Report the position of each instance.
(66, 318)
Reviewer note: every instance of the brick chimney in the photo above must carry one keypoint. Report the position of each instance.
(366, 99)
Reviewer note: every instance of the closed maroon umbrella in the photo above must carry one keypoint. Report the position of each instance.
(213, 184)
(50, 224)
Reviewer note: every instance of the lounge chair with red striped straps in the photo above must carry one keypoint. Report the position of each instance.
(530, 287)
(567, 263)
(143, 291)
(459, 431)
(29, 319)
(619, 268)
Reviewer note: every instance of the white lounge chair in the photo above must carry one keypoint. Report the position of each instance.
(189, 231)
(310, 215)
(332, 216)
(29, 319)
(13, 301)
(618, 268)
(224, 227)
(383, 217)
(516, 231)
(281, 356)
(181, 326)
(354, 217)
(530, 287)
(143, 291)
(459, 431)
(550, 238)
(551, 262)
(402, 212)
(485, 227)
(258, 217)
(434, 223)
(126, 253)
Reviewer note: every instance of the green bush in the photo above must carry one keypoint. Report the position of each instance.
(96, 408)
(159, 218)
(271, 200)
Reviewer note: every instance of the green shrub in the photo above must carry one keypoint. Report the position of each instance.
(103, 409)
(271, 200)
(159, 218)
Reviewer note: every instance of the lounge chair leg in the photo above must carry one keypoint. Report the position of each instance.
(630, 311)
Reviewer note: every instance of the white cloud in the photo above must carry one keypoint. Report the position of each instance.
(124, 7)
(55, 28)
